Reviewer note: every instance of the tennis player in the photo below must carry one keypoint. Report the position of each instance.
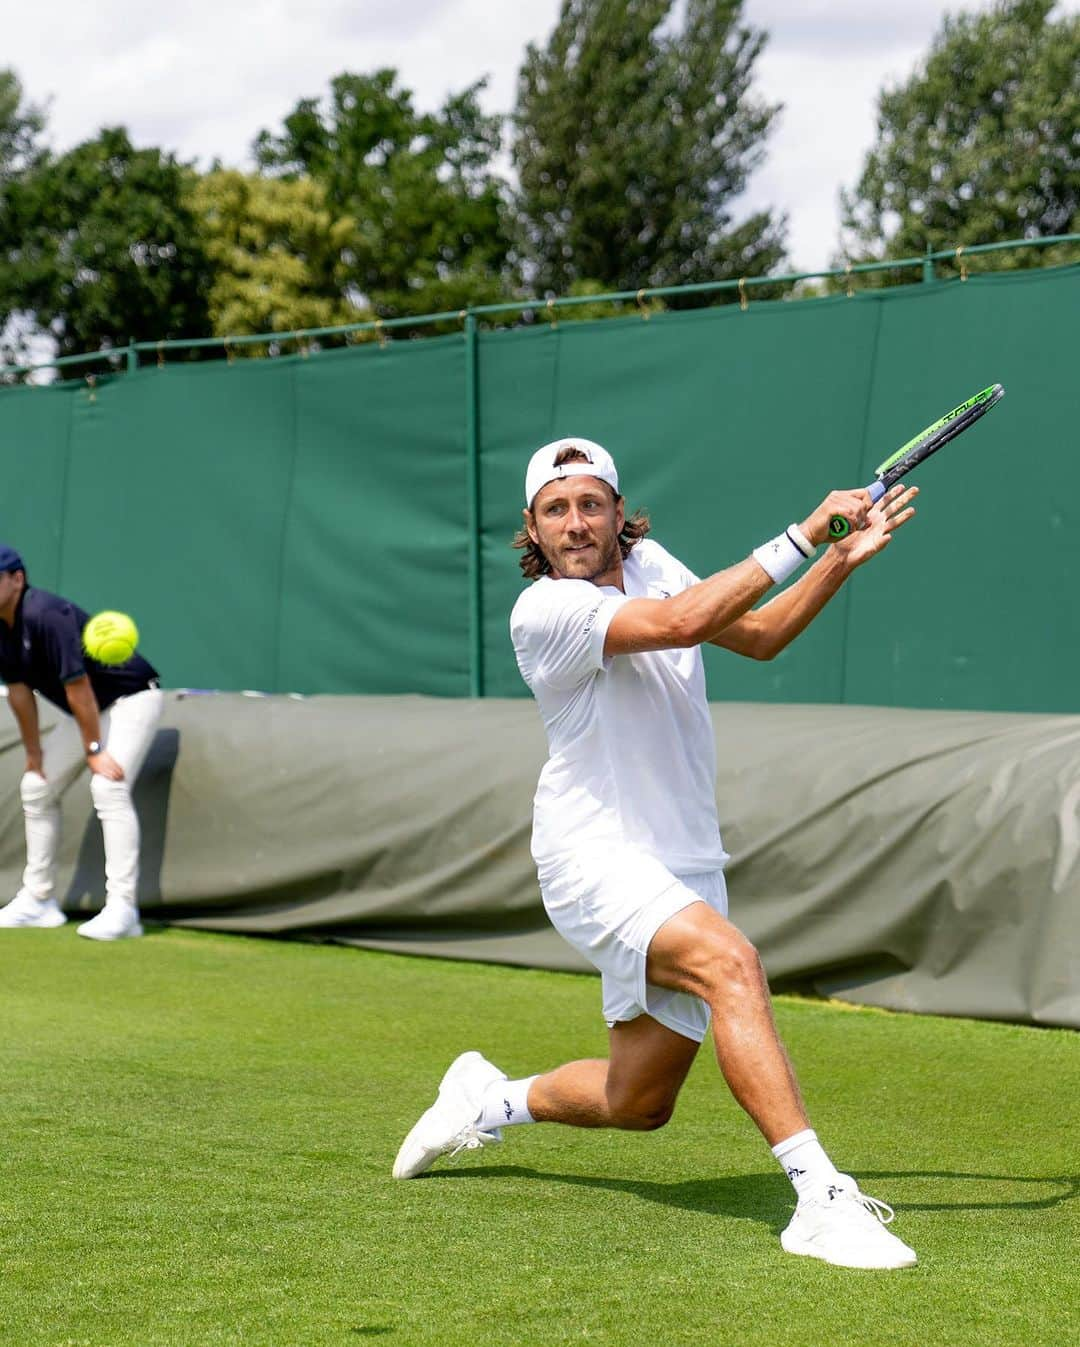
(625, 832)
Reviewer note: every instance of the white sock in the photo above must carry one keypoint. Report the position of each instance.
(505, 1103)
(805, 1162)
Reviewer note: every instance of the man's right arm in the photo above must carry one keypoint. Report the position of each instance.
(699, 613)
(689, 618)
(23, 705)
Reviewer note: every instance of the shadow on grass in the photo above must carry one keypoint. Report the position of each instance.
(768, 1197)
(1067, 1184)
(753, 1197)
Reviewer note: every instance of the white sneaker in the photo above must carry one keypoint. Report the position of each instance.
(116, 921)
(843, 1226)
(449, 1125)
(26, 910)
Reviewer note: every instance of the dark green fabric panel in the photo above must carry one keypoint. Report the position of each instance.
(34, 454)
(305, 524)
(977, 607)
(376, 579)
(516, 408)
(725, 424)
(175, 507)
(736, 423)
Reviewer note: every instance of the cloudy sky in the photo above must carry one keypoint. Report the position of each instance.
(201, 77)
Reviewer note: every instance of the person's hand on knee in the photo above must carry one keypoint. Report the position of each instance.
(104, 764)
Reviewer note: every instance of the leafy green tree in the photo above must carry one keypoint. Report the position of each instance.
(632, 142)
(20, 128)
(277, 250)
(429, 208)
(980, 145)
(99, 245)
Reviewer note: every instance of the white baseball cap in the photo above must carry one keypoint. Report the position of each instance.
(542, 468)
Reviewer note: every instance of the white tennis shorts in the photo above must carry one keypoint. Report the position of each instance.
(608, 902)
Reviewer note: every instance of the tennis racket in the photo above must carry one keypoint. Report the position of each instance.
(920, 447)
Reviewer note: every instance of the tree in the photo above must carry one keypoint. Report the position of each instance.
(100, 245)
(428, 206)
(632, 142)
(980, 145)
(277, 250)
(20, 127)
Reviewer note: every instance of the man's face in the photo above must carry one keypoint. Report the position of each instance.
(576, 521)
(11, 586)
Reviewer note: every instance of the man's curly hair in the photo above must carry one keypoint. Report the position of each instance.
(534, 564)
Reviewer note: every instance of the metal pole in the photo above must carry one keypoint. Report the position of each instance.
(928, 272)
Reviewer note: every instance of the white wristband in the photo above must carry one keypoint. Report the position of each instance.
(784, 554)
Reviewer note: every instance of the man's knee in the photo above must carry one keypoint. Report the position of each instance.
(701, 952)
(36, 794)
(729, 965)
(111, 798)
(640, 1113)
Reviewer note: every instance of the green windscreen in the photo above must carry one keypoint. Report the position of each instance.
(341, 523)
(729, 424)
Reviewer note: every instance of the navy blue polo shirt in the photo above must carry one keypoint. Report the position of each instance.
(44, 649)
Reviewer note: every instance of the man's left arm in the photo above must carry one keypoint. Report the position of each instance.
(84, 707)
(763, 632)
(62, 645)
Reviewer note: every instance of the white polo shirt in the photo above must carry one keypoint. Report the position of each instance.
(632, 753)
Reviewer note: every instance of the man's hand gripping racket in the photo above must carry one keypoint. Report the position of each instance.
(920, 447)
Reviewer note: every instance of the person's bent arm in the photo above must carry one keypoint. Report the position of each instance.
(703, 611)
(763, 633)
(686, 619)
(23, 705)
(84, 707)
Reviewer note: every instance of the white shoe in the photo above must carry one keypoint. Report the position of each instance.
(842, 1226)
(116, 921)
(26, 910)
(449, 1125)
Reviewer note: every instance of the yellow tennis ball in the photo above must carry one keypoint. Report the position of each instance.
(110, 638)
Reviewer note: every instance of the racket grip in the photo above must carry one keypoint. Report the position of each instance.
(839, 526)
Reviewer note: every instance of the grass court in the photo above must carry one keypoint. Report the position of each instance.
(198, 1132)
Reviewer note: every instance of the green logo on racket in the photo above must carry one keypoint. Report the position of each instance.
(839, 527)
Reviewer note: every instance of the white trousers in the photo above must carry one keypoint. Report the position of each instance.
(127, 730)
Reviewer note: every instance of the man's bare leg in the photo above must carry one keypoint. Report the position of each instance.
(696, 951)
(699, 951)
(635, 1088)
